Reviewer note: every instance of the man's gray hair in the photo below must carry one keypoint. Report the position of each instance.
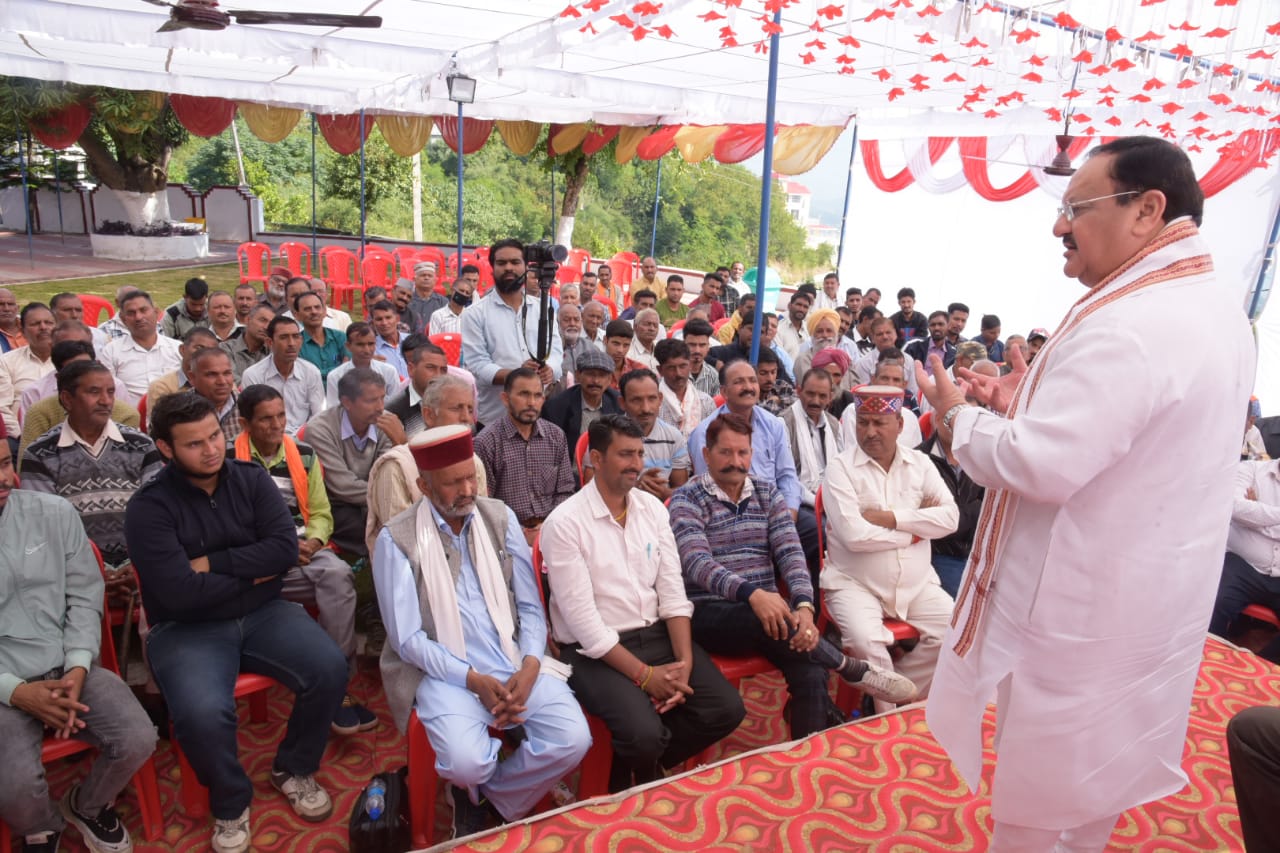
(645, 313)
(565, 288)
(433, 394)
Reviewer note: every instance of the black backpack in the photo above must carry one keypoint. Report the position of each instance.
(390, 832)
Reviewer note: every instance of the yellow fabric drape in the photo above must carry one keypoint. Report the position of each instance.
(695, 144)
(628, 139)
(798, 149)
(270, 124)
(519, 136)
(570, 137)
(407, 135)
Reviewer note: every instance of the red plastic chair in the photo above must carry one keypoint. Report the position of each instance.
(145, 780)
(341, 270)
(372, 249)
(675, 327)
(579, 260)
(593, 781)
(1262, 614)
(568, 275)
(451, 343)
(433, 254)
(254, 259)
(719, 401)
(142, 412)
(422, 784)
(297, 257)
(378, 269)
(623, 273)
(926, 426)
(609, 305)
(406, 257)
(93, 308)
(849, 697)
(580, 454)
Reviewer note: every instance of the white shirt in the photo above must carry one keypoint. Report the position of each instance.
(790, 338)
(1255, 524)
(822, 301)
(443, 320)
(386, 371)
(302, 390)
(864, 367)
(607, 579)
(336, 319)
(19, 368)
(642, 355)
(47, 386)
(136, 366)
(894, 565)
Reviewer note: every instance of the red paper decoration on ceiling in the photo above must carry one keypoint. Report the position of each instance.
(342, 132)
(62, 127)
(475, 132)
(203, 116)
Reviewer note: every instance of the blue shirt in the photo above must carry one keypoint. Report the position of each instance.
(770, 453)
(403, 619)
(496, 337)
(391, 353)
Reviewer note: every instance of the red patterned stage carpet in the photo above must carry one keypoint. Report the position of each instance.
(885, 785)
(882, 785)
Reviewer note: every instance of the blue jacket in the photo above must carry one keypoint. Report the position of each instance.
(244, 528)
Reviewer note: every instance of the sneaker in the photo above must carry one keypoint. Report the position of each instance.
(353, 717)
(308, 799)
(469, 818)
(103, 832)
(42, 842)
(231, 836)
(886, 685)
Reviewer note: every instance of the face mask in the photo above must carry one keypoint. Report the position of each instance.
(461, 299)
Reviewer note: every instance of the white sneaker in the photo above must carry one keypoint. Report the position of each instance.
(308, 799)
(886, 685)
(231, 836)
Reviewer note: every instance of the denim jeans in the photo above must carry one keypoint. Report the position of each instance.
(950, 570)
(115, 723)
(196, 665)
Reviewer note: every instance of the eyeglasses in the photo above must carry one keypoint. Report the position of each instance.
(1069, 210)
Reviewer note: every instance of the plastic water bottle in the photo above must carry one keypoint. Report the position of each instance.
(375, 798)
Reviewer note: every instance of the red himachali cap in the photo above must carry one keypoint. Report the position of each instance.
(878, 399)
(283, 272)
(440, 447)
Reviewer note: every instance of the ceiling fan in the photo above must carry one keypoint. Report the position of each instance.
(205, 15)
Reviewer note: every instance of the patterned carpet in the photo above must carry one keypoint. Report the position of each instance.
(881, 785)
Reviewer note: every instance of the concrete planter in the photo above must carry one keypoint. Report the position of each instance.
(126, 247)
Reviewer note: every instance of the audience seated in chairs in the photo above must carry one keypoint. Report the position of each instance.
(49, 638)
(735, 538)
(348, 439)
(621, 618)
(684, 405)
(320, 578)
(393, 479)
(884, 502)
(703, 373)
(1251, 569)
(47, 385)
(144, 355)
(25, 365)
(254, 345)
(814, 433)
(526, 459)
(299, 381)
(360, 343)
(211, 540)
(196, 339)
(575, 409)
(213, 378)
(448, 317)
(47, 413)
(666, 453)
(465, 639)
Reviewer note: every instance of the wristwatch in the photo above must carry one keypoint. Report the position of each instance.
(805, 605)
(949, 417)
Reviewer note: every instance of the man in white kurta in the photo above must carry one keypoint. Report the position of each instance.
(883, 502)
(465, 638)
(1096, 558)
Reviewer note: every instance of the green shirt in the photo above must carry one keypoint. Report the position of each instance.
(668, 315)
(50, 590)
(326, 357)
(320, 524)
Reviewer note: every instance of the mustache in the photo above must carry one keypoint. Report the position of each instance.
(1069, 242)
(734, 469)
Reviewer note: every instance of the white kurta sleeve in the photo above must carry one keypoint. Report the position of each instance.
(1081, 423)
(937, 520)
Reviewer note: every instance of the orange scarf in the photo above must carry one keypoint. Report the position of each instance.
(297, 471)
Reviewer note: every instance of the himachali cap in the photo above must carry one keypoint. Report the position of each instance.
(283, 272)
(878, 399)
(440, 447)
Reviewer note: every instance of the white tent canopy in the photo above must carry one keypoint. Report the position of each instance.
(961, 68)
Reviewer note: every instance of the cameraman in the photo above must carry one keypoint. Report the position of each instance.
(489, 349)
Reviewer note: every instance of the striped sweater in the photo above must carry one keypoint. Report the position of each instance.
(100, 488)
(728, 552)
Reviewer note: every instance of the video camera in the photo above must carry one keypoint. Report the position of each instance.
(542, 260)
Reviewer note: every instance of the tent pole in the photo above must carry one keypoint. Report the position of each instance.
(657, 196)
(313, 191)
(848, 190)
(26, 195)
(766, 189)
(553, 201)
(458, 260)
(363, 212)
(1267, 272)
(57, 191)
